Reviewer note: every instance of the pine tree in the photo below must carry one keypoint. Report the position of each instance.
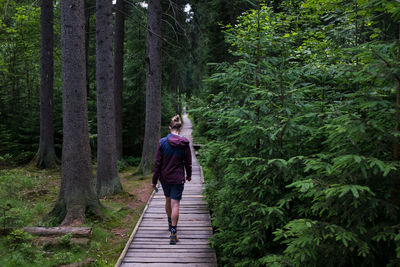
(77, 193)
(153, 86)
(107, 182)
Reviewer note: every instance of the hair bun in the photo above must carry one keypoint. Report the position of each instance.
(176, 118)
(176, 122)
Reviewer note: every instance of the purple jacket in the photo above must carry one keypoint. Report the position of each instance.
(172, 159)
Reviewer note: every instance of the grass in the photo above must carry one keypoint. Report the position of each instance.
(28, 194)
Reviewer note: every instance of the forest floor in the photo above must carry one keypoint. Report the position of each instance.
(28, 194)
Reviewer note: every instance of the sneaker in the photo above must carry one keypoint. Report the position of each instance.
(173, 238)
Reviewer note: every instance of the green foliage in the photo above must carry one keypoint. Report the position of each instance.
(20, 82)
(65, 240)
(17, 237)
(299, 167)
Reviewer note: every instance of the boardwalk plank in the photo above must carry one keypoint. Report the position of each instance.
(169, 264)
(168, 246)
(181, 223)
(170, 255)
(165, 241)
(181, 228)
(176, 250)
(150, 243)
(181, 231)
(169, 260)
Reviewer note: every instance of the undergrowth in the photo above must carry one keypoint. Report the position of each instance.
(27, 195)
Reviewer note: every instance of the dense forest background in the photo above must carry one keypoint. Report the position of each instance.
(297, 103)
(20, 76)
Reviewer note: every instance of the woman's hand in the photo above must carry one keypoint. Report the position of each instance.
(155, 187)
(188, 178)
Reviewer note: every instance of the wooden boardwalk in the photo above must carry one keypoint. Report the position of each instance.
(149, 243)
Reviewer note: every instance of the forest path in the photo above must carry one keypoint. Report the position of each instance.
(149, 243)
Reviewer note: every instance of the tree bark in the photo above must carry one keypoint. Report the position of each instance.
(88, 14)
(47, 241)
(59, 231)
(107, 182)
(46, 156)
(77, 193)
(119, 73)
(153, 86)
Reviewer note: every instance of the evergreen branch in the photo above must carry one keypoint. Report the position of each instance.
(386, 62)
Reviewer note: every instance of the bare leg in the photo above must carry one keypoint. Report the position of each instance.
(175, 211)
(168, 206)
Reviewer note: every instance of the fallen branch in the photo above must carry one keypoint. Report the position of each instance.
(47, 241)
(60, 231)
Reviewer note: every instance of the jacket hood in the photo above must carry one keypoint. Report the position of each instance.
(177, 141)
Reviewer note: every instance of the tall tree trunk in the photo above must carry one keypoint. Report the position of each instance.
(88, 14)
(397, 130)
(46, 156)
(107, 182)
(77, 193)
(153, 86)
(119, 73)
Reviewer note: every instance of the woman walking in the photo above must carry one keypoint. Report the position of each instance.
(172, 159)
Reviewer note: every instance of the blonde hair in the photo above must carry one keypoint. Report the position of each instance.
(176, 122)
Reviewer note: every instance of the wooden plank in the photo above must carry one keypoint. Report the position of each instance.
(200, 236)
(180, 231)
(170, 260)
(178, 245)
(169, 254)
(180, 223)
(165, 241)
(181, 211)
(187, 210)
(191, 196)
(164, 264)
(200, 204)
(183, 201)
(202, 217)
(176, 250)
(194, 203)
(161, 206)
(180, 228)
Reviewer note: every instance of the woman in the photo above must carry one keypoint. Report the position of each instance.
(172, 159)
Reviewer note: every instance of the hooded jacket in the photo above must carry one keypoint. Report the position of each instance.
(172, 159)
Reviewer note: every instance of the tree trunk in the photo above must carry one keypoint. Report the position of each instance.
(46, 156)
(77, 193)
(88, 14)
(153, 86)
(119, 73)
(107, 182)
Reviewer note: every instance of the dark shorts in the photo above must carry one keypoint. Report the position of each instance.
(173, 191)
